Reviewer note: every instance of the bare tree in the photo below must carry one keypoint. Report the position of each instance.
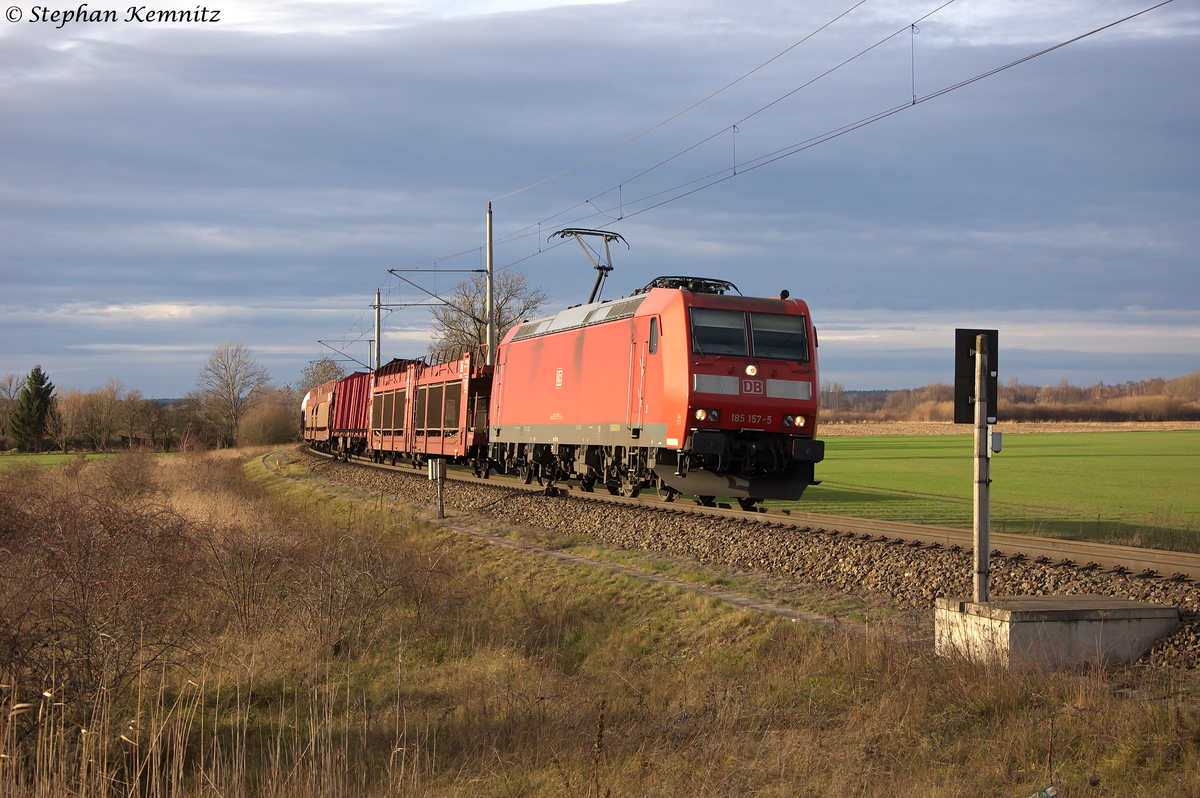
(10, 389)
(230, 383)
(319, 372)
(461, 325)
(102, 416)
(66, 422)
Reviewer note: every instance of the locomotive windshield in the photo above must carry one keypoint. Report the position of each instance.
(777, 336)
(719, 332)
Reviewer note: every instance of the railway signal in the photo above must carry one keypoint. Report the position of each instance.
(976, 350)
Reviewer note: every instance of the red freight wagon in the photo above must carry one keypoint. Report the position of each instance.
(314, 412)
(351, 399)
(420, 411)
(335, 414)
(680, 386)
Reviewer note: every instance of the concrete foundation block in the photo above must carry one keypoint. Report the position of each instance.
(1049, 632)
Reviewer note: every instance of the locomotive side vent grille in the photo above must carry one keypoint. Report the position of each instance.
(715, 383)
(789, 389)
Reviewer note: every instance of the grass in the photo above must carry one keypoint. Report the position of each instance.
(332, 649)
(1136, 488)
(47, 460)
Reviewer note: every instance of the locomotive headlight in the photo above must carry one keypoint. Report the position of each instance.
(751, 369)
(800, 421)
(701, 415)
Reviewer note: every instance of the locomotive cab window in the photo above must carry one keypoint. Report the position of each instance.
(654, 336)
(719, 332)
(779, 336)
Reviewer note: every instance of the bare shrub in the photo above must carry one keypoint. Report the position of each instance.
(344, 582)
(92, 591)
(1152, 408)
(127, 477)
(252, 572)
(933, 411)
(275, 420)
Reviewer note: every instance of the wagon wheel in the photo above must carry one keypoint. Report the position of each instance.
(526, 473)
(630, 489)
(748, 502)
(613, 487)
(587, 484)
(393, 458)
(706, 501)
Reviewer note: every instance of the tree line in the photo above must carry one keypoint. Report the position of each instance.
(1156, 399)
(234, 402)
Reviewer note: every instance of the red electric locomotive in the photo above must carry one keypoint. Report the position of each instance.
(682, 386)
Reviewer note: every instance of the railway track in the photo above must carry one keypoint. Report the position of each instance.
(1084, 556)
(884, 563)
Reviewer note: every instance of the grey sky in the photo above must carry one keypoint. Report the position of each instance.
(165, 187)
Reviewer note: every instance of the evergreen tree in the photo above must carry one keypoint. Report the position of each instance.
(30, 419)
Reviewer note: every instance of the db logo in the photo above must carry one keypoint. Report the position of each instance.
(753, 387)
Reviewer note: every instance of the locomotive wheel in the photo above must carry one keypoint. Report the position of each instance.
(526, 472)
(706, 501)
(667, 494)
(613, 488)
(587, 484)
(630, 489)
(748, 502)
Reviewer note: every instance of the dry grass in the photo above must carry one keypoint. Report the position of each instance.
(335, 651)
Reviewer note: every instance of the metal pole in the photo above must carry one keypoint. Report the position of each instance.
(441, 489)
(491, 293)
(983, 545)
(378, 336)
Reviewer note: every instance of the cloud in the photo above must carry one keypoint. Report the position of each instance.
(170, 187)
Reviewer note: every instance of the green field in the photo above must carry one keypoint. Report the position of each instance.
(47, 460)
(1139, 488)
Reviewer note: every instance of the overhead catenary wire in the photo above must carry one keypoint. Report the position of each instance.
(694, 105)
(760, 161)
(738, 169)
(591, 200)
(747, 117)
(632, 139)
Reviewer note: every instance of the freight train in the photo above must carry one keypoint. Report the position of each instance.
(682, 386)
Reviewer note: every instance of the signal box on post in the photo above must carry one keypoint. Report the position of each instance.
(964, 375)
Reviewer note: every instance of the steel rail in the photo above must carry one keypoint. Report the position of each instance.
(1082, 555)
